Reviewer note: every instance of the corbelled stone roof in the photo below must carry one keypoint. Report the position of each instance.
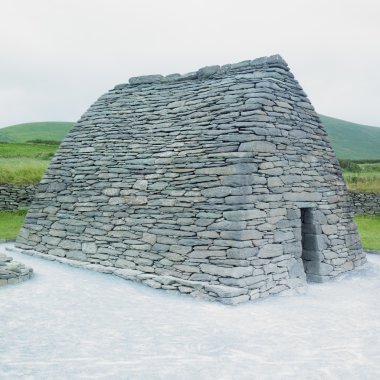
(220, 183)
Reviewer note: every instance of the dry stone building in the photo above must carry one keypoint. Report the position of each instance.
(220, 183)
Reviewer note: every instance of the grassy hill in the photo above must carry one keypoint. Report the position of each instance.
(46, 131)
(353, 141)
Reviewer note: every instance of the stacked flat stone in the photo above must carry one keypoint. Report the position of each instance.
(12, 272)
(365, 203)
(195, 183)
(13, 197)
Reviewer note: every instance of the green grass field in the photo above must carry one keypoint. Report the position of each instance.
(24, 163)
(39, 151)
(369, 230)
(364, 178)
(352, 141)
(48, 131)
(21, 171)
(10, 223)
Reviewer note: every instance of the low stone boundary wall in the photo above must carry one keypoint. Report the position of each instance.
(365, 203)
(13, 272)
(13, 197)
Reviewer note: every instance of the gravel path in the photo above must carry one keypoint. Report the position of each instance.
(68, 323)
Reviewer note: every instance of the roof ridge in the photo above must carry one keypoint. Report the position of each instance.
(207, 71)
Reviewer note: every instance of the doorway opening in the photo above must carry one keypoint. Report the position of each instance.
(310, 238)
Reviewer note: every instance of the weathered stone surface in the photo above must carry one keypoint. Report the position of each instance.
(89, 247)
(78, 255)
(281, 236)
(329, 229)
(146, 79)
(226, 291)
(218, 192)
(241, 235)
(229, 170)
(244, 214)
(319, 268)
(228, 225)
(271, 250)
(241, 253)
(235, 272)
(204, 254)
(303, 197)
(135, 199)
(258, 147)
(13, 272)
(70, 245)
(111, 191)
(141, 184)
(207, 71)
(296, 268)
(365, 203)
(13, 197)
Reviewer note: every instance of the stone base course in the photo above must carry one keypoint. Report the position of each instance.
(227, 294)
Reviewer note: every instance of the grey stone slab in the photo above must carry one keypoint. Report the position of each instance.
(235, 272)
(271, 250)
(241, 235)
(258, 147)
(239, 215)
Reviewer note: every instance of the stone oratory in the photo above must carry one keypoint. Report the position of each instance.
(220, 183)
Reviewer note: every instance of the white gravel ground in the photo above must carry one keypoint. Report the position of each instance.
(69, 323)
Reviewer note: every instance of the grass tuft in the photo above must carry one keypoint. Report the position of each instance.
(22, 164)
(362, 177)
(19, 171)
(39, 151)
(10, 223)
(369, 228)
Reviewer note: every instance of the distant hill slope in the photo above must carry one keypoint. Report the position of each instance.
(350, 140)
(353, 141)
(47, 131)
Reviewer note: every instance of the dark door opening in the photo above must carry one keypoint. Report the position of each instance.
(310, 235)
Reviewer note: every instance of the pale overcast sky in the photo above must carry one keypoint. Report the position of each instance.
(58, 56)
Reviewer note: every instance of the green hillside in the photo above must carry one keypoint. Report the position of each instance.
(45, 131)
(353, 141)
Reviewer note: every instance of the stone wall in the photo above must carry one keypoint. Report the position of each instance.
(196, 183)
(365, 203)
(13, 197)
